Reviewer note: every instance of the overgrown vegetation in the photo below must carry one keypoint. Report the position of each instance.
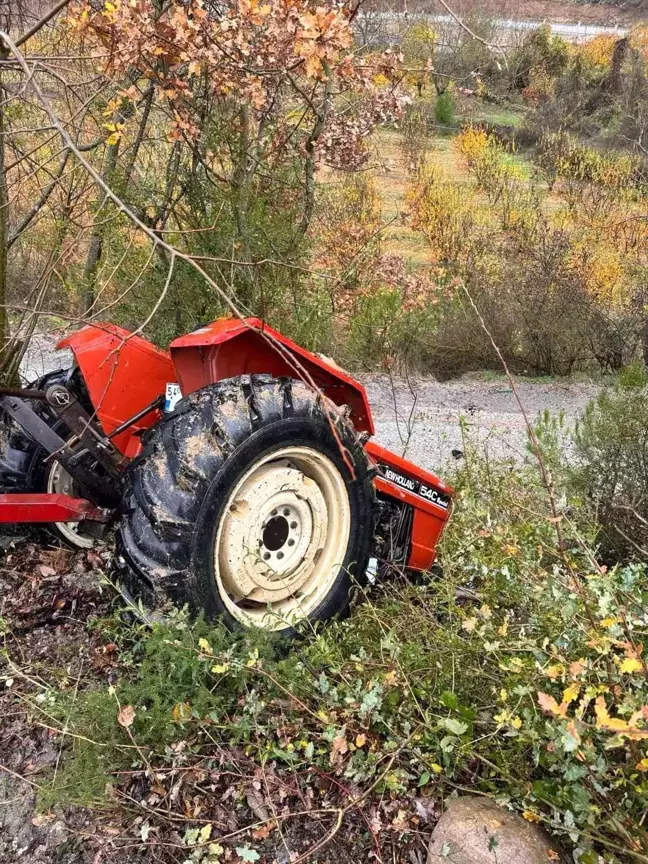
(551, 719)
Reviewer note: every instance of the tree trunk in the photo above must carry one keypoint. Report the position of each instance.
(95, 248)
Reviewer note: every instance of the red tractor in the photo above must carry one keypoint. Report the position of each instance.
(238, 468)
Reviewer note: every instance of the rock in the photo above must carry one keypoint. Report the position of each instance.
(477, 831)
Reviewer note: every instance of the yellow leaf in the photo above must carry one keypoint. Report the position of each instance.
(530, 816)
(205, 833)
(570, 693)
(554, 671)
(516, 722)
(204, 645)
(220, 668)
(609, 622)
(642, 765)
(360, 740)
(630, 664)
(503, 694)
(436, 768)
(181, 711)
(469, 624)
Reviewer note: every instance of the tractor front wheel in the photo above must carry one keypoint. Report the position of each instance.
(253, 502)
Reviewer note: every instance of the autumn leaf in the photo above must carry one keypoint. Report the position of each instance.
(339, 747)
(126, 716)
(530, 816)
(469, 624)
(570, 693)
(181, 712)
(577, 668)
(549, 704)
(205, 833)
(630, 664)
(220, 668)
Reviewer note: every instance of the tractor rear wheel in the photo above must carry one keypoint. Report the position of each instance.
(253, 502)
(23, 465)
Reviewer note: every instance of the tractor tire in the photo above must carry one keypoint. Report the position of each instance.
(252, 503)
(23, 468)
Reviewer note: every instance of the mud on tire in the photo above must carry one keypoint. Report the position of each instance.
(251, 437)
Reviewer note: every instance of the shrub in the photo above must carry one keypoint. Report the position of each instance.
(444, 108)
(415, 135)
(611, 473)
(558, 280)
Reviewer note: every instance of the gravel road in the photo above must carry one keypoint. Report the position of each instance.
(424, 420)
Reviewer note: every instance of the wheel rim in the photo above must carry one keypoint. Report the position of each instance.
(59, 481)
(282, 539)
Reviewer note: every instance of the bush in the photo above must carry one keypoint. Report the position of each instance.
(612, 465)
(558, 280)
(444, 108)
(415, 134)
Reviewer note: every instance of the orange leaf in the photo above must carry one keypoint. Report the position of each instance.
(549, 704)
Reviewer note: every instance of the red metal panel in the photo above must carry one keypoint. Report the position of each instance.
(229, 347)
(49, 508)
(123, 373)
(429, 518)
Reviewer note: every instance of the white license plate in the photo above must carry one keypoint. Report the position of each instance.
(172, 395)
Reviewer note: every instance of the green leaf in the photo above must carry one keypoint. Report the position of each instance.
(449, 700)
(190, 837)
(423, 779)
(457, 727)
(247, 854)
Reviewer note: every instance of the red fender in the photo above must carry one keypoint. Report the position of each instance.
(230, 347)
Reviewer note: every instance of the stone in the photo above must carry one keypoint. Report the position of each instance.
(475, 830)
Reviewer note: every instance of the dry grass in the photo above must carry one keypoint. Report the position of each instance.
(391, 176)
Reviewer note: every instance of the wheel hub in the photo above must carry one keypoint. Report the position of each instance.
(283, 534)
